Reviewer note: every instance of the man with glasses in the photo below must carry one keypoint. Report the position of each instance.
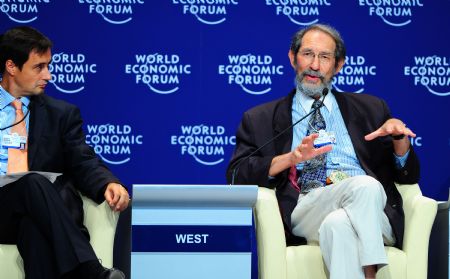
(334, 172)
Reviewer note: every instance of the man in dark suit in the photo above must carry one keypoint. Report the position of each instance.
(40, 133)
(329, 193)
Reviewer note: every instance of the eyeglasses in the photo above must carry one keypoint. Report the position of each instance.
(325, 58)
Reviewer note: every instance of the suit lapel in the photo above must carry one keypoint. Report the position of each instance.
(38, 116)
(354, 121)
(282, 120)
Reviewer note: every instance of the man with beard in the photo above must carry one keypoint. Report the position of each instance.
(334, 173)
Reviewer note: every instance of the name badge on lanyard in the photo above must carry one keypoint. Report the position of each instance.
(325, 138)
(14, 141)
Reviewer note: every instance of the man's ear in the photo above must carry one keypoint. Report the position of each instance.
(292, 59)
(10, 67)
(339, 65)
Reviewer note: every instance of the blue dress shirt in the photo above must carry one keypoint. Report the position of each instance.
(342, 157)
(8, 117)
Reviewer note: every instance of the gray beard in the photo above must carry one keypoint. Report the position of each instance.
(311, 90)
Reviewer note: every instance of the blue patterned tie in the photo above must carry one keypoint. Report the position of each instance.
(314, 173)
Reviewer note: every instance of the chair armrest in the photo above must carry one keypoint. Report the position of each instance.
(11, 263)
(101, 223)
(420, 212)
(270, 236)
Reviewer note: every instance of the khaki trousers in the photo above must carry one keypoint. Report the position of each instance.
(347, 219)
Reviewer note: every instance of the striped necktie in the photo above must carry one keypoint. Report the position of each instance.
(314, 173)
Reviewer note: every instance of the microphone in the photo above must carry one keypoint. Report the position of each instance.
(236, 168)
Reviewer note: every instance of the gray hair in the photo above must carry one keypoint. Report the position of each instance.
(339, 52)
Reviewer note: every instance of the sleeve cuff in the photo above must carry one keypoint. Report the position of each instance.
(400, 161)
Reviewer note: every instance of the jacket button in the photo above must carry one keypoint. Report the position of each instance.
(394, 205)
(405, 172)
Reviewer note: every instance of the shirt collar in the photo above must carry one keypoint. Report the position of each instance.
(6, 99)
(306, 101)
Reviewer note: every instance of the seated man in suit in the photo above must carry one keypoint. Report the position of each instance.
(40, 133)
(334, 173)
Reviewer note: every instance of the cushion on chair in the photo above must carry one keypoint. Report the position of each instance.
(311, 258)
(313, 266)
(11, 266)
(101, 223)
(397, 264)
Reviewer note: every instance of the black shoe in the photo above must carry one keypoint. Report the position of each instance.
(112, 273)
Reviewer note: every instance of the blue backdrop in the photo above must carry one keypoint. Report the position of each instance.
(162, 84)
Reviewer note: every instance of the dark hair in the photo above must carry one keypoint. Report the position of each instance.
(17, 43)
(339, 52)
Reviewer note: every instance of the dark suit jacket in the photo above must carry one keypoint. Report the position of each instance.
(362, 114)
(56, 143)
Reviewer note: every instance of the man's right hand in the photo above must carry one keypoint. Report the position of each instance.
(303, 152)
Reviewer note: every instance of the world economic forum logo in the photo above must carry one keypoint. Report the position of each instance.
(300, 12)
(209, 12)
(113, 143)
(393, 12)
(253, 73)
(416, 142)
(115, 11)
(354, 74)
(69, 72)
(21, 11)
(160, 72)
(206, 144)
(432, 72)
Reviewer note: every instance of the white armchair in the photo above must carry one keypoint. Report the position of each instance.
(276, 261)
(101, 222)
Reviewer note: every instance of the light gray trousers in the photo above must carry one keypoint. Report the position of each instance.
(347, 219)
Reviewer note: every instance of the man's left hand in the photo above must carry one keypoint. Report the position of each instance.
(394, 127)
(117, 196)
